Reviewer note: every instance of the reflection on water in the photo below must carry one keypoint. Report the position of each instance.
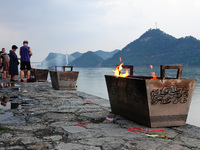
(4, 100)
(92, 81)
(14, 87)
(7, 103)
(4, 85)
(10, 101)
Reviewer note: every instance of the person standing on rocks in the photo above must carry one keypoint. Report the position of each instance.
(25, 53)
(1, 61)
(13, 65)
(5, 60)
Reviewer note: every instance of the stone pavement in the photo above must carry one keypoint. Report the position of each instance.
(38, 117)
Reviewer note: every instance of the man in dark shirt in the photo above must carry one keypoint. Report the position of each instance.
(25, 52)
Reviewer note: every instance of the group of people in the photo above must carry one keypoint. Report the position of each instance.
(9, 62)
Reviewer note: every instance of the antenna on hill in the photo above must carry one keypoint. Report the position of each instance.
(156, 25)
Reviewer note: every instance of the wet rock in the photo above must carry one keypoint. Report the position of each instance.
(94, 117)
(176, 147)
(11, 148)
(28, 140)
(73, 146)
(41, 145)
(6, 137)
(191, 142)
(23, 139)
(190, 130)
(103, 141)
(54, 138)
(74, 129)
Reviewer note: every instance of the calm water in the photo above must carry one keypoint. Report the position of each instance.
(92, 81)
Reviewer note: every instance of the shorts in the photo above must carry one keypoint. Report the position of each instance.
(6, 67)
(25, 65)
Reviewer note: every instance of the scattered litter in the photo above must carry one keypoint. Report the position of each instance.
(165, 137)
(88, 100)
(154, 135)
(139, 130)
(82, 123)
(110, 119)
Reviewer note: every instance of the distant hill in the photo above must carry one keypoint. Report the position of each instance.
(103, 54)
(88, 59)
(56, 59)
(106, 55)
(76, 54)
(155, 47)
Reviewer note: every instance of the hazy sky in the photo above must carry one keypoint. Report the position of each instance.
(90, 25)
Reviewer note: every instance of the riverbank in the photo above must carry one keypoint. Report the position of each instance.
(45, 118)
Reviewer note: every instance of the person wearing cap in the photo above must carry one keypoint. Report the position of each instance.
(13, 64)
(25, 52)
(5, 60)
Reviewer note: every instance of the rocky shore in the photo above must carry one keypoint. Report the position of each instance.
(37, 117)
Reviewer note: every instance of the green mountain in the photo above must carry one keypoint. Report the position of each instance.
(76, 54)
(155, 47)
(106, 55)
(88, 59)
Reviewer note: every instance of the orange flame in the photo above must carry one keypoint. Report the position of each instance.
(117, 72)
(153, 74)
(120, 59)
(125, 74)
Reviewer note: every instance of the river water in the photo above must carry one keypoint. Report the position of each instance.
(92, 81)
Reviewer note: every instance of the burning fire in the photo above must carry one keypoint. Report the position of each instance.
(118, 70)
(153, 74)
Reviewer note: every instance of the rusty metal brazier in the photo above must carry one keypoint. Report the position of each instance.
(155, 103)
(62, 80)
(41, 74)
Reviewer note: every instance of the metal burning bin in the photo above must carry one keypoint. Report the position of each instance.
(62, 80)
(40, 74)
(155, 103)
